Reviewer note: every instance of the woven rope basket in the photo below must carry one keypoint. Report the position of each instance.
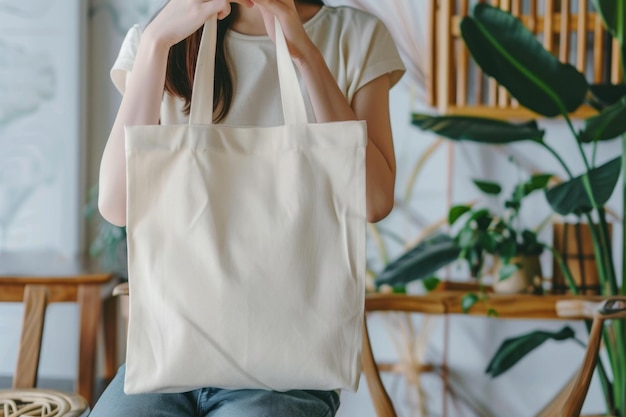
(40, 403)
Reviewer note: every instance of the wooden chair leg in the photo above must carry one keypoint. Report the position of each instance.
(577, 396)
(380, 398)
(110, 338)
(90, 305)
(35, 303)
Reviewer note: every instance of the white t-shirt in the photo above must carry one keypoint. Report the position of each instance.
(356, 47)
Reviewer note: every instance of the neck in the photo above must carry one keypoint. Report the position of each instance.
(248, 21)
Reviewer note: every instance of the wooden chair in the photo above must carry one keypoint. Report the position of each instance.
(24, 399)
(518, 307)
(457, 86)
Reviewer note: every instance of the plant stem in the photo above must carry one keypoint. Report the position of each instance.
(564, 269)
(619, 371)
(620, 328)
(576, 136)
(623, 209)
(558, 157)
(608, 253)
(597, 250)
(543, 223)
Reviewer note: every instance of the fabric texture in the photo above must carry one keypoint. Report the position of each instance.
(240, 239)
(356, 46)
(214, 402)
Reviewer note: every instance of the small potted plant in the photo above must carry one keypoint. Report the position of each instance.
(513, 249)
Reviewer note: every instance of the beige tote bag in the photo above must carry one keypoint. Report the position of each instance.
(246, 247)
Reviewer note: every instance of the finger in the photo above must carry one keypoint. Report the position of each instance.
(215, 7)
(224, 12)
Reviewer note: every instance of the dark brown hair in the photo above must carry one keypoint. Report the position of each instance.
(181, 66)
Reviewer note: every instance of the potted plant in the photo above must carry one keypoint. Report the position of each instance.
(510, 53)
(514, 250)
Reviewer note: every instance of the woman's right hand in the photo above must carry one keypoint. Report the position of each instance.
(180, 18)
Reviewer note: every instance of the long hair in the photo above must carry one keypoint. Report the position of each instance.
(181, 67)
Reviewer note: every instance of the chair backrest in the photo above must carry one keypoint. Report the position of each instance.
(24, 399)
(575, 309)
(570, 29)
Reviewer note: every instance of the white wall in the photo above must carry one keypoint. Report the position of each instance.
(42, 45)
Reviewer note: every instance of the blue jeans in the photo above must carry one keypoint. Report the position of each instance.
(214, 402)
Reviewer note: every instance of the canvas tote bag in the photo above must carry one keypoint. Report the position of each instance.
(246, 247)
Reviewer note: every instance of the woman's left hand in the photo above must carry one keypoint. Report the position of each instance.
(298, 40)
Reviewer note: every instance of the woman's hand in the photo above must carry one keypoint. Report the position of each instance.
(298, 40)
(180, 18)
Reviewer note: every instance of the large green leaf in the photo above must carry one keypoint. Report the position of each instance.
(514, 349)
(507, 51)
(571, 197)
(478, 129)
(607, 94)
(608, 124)
(420, 262)
(613, 13)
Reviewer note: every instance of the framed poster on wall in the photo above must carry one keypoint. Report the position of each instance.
(41, 124)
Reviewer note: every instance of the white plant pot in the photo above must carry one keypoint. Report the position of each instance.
(524, 280)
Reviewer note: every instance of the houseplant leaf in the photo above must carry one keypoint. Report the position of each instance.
(482, 217)
(420, 262)
(468, 301)
(514, 349)
(456, 212)
(608, 124)
(571, 197)
(508, 249)
(613, 14)
(510, 53)
(536, 182)
(488, 187)
(608, 94)
(507, 270)
(478, 129)
(430, 283)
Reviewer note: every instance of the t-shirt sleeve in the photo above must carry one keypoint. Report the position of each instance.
(377, 55)
(126, 58)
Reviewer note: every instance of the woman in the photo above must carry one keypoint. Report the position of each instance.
(347, 63)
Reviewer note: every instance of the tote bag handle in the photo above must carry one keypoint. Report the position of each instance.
(201, 110)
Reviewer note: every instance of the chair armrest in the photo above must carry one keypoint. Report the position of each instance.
(121, 289)
(613, 308)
